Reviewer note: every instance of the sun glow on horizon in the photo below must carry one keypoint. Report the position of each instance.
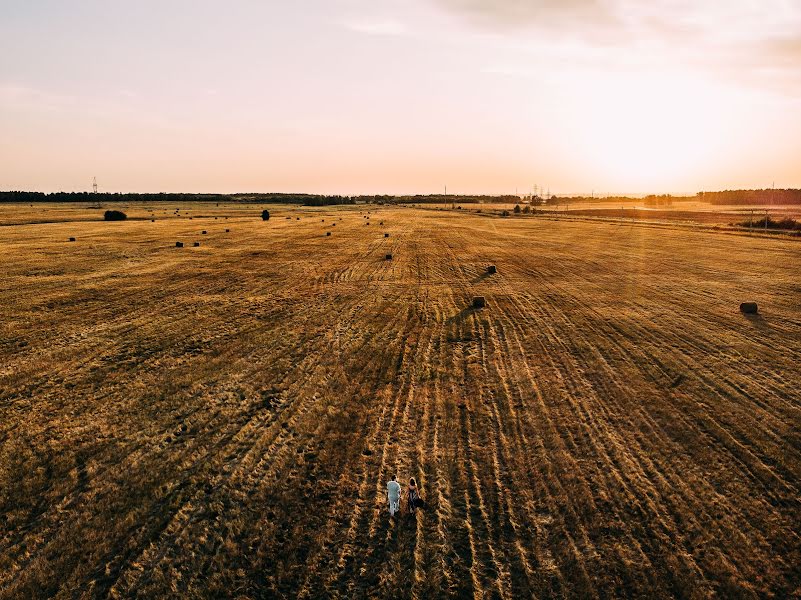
(652, 130)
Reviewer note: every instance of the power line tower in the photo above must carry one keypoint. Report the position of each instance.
(94, 185)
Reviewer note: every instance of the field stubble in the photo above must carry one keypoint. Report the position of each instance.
(222, 420)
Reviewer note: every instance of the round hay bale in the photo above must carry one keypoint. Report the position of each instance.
(265, 215)
(491, 270)
(327, 233)
(386, 235)
(227, 231)
(196, 244)
(749, 308)
(479, 302)
(298, 218)
(203, 232)
(389, 257)
(72, 239)
(179, 244)
(114, 215)
(152, 220)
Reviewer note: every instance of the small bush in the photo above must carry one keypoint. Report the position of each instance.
(787, 224)
(526, 209)
(517, 209)
(505, 213)
(114, 215)
(265, 215)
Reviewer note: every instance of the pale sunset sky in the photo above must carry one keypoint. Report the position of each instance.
(398, 97)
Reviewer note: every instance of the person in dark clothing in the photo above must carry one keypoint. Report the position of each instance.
(413, 497)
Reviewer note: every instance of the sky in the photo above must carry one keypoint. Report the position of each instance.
(400, 96)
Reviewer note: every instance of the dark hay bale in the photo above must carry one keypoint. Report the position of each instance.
(152, 220)
(265, 215)
(386, 235)
(114, 215)
(290, 218)
(298, 218)
(492, 270)
(389, 257)
(196, 244)
(72, 239)
(749, 308)
(334, 225)
(203, 232)
(381, 222)
(327, 233)
(479, 302)
(179, 244)
(227, 231)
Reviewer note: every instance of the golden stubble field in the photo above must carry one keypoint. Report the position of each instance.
(221, 420)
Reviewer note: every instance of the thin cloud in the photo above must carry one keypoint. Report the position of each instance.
(378, 27)
(526, 14)
(737, 40)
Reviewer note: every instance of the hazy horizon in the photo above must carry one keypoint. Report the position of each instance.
(353, 97)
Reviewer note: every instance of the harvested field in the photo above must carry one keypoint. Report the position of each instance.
(222, 420)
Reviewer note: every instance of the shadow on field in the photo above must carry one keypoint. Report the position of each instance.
(759, 322)
(481, 277)
(461, 315)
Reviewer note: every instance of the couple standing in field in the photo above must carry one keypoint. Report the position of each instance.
(413, 499)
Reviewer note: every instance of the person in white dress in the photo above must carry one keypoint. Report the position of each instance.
(393, 495)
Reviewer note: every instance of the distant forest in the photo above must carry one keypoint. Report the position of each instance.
(767, 196)
(736, 197)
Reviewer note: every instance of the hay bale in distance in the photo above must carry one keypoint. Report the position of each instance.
(227, 231)
(327, 233)
(203, 232)
(386, 235)
(114, 215)
(389, 257)
(72, 239)
(196, 244)
(749, 308)
(491, 270)
(479, 302)
(265, 215)
(179, 244)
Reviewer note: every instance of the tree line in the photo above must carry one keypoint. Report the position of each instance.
(736, 197)
(760, 197)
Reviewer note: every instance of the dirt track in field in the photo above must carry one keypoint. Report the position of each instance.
(222, 420)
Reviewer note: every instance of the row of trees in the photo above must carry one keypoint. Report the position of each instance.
(737, 197)
(755, 197)
(31, 197)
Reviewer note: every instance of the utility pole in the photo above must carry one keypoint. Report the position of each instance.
(94, 185)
